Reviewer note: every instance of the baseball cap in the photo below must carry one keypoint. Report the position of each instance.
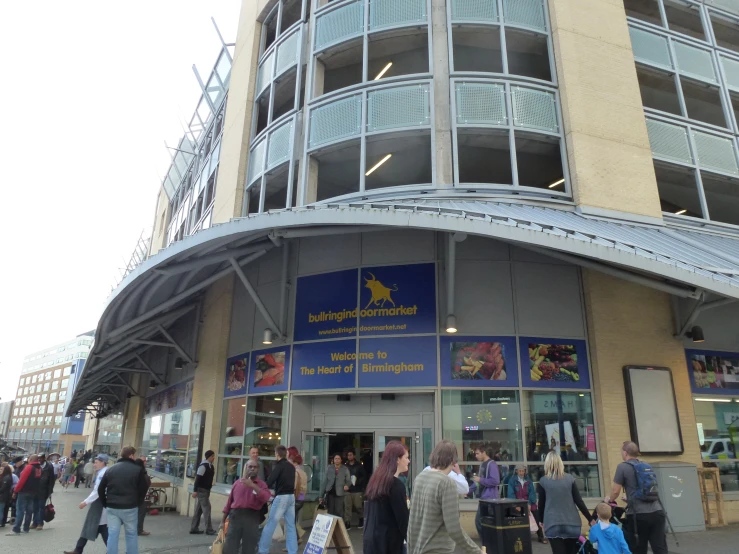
(102, 457)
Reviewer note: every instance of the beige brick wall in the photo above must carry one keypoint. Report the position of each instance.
(161, 221)
(610, 160)
(239, 110)
(211, 370)
(629, 324)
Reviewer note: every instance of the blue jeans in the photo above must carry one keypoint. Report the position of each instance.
(129, 519)
(39, 504)
(283, 507)
(23, 509)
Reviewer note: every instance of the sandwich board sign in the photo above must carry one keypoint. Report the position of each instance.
(328, 530)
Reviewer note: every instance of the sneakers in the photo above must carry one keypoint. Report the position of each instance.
(196, 532)
(12, 534)
(144, 534)
(34, 526)
(211, 532)
(39, 528)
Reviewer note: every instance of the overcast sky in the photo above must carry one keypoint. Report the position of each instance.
(91, 90)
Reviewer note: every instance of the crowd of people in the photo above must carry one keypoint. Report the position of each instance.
(429, 522)
(393, 520)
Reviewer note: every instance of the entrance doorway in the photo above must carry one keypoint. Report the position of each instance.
(320, 447)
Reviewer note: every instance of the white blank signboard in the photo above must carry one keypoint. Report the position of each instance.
(652, 410)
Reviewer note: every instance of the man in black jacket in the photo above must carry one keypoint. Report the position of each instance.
(282, 481)
(45, 489)
(354, 498)
(121, 490)
(201, 491)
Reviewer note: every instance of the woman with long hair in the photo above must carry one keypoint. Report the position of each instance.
(301, 486)
(559, 502)
(386, 511)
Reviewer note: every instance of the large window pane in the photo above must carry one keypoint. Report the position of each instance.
(646, 10)
(684, 18)
(716, 423)
(587, 477)
(658, 90)
(484, 156)
(678, 191)
(397, 160)
(560, 421)
(722, 197)
(232, 426)
(264, 424)
(477, 49)
(474, 417)
(703, 102)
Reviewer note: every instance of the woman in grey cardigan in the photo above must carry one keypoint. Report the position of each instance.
(334, 486)
(559, 502)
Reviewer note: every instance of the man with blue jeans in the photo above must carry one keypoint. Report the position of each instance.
(121, 490)
(25, 493)
(282, 480)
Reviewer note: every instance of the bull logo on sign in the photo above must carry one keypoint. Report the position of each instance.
(380, 293)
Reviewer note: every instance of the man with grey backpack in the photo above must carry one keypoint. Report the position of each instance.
(645, 516)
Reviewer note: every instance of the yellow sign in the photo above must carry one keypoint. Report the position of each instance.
(518, 547)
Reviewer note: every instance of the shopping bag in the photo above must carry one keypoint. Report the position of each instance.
(532, 523)
(217, 547)
(49, 512)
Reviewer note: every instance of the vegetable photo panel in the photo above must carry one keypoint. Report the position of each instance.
(478, 362)
(554, 363)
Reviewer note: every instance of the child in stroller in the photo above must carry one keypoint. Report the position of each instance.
(618, 518)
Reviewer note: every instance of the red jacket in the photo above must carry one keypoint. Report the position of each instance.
(29, 480)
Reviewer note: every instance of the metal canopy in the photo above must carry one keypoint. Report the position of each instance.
(683, 262)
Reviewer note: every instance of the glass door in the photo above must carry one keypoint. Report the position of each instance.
(315, 461)
(410, 439)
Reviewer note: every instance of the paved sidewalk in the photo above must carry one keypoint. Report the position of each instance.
(170, 535)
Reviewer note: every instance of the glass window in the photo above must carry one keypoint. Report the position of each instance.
(717, 422)
(42, 409)
(57, 373)
(62, 395)
(44, 397)
(47, 376)
(264, 424)
(32, 389)
(67, 371)
(58, 420)
(473, 417)
(548, 416)
(232, 426)
(46, 387)
(65, 382)
(52, 397)
(37, 399)
(55, 385)
(34, 410)
(60, 407)
(165, 443)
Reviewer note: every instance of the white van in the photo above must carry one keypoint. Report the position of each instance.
(718, 448)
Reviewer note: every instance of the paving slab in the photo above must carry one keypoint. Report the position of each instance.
(170, 535)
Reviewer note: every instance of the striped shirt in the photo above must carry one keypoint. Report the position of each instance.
(434, 527)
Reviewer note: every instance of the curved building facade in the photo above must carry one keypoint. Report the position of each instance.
(488, 221)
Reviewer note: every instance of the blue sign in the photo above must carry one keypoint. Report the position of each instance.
(397, 362)
(236, 371)
(326, 306)
(478, 362)
(268, 370)
(554, 363)
(324, 365)
(398, 300)
(713, 372)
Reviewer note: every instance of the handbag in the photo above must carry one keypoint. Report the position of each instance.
(532, 523)
(49, 512)
(217, 547)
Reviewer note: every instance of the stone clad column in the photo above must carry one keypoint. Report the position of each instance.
(629, 324)
(610, 160)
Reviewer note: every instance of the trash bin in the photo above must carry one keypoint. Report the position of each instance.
(505, 526)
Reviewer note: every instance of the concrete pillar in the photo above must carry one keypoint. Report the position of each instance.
(629, 324)
(608, 150)
(211, 370)
(134, 422)
(234, 157)
(442, 102)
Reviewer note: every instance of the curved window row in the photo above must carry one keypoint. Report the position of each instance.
(697, 171)
(687, 63)
(369, 117)
(508, 134)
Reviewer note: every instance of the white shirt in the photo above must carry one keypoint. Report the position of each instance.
(94, 496)
(463, 487)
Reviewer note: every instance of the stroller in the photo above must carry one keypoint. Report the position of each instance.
(618, 517)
